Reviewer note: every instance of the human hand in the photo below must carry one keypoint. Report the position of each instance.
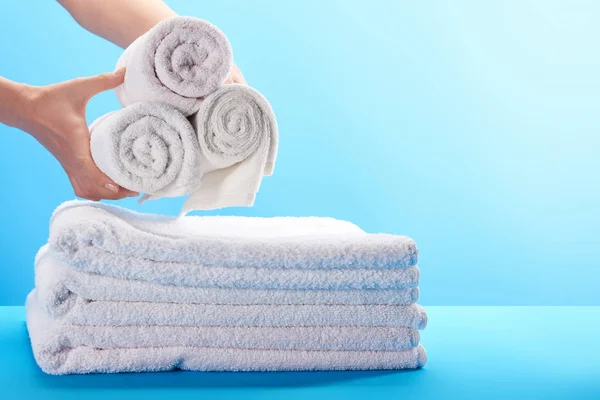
(55, 116)
(235, 76)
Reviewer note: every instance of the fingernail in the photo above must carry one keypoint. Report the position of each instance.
(111, 187)
(120, 71)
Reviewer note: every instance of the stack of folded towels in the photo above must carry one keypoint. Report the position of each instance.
(182, 131)
(120, 291)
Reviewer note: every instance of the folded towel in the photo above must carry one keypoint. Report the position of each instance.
(63, 350)
(181, 274)
(176, 62)
(245, 337)
(147, 147)
(124, 313)
(238, 139)
(88, 360)
(59, 287)
(89, 235)
(54, 356)
(230, 252)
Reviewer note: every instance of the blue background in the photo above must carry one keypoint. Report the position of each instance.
(470, 126)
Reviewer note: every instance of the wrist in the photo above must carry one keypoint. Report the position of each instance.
(25, 99)
(16, 103)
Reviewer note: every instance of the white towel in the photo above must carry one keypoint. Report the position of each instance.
(125, 313)
(90, 235)
(238, 138)
(98, 350)
(88, 360)
(180, 274)
(60, 287)
(177, 62)
(246, 337)
(147, 147)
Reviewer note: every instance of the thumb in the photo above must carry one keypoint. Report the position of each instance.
(100, 83)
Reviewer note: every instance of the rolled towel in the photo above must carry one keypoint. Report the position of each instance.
(85, 232)
(60, 287)
(238, 138)
(177, 62)
(244, 337)
(124, 313)
(147, 147)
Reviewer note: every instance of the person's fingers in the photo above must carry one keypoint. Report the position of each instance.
(91, 194)
(238, 77)
(90, 183)
(87, 179)
(127, 193)
(109, 190)
(119, 196)
(105, 187)
(95, 84)
(84, 192)
(96, 194)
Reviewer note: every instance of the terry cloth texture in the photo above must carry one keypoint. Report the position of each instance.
(238, 138)
(177, 62)
(148, 148)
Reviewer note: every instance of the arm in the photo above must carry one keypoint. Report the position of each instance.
(11, 102)
(123, 21)
(55, 114)
(118, 21)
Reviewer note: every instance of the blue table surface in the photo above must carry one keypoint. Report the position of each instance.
(474, 352)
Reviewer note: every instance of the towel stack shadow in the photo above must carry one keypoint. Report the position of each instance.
(119, 291)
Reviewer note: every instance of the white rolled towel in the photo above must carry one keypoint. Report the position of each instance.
(238, 139)
(178, 61)
(149, 148)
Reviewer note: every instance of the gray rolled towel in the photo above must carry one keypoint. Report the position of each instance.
(177, 62)
(238, 139)
(147, 147)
